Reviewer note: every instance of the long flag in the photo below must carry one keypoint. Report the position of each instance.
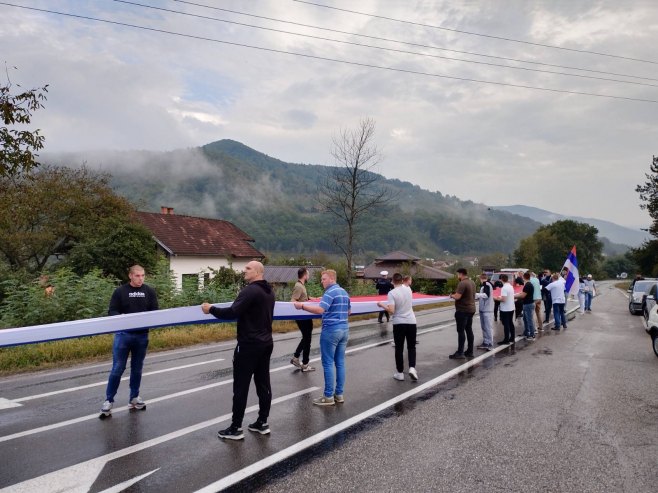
(571, 280)
(173, 316)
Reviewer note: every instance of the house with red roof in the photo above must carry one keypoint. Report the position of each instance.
(195, 245)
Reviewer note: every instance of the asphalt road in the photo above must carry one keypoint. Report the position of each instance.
(575, 410)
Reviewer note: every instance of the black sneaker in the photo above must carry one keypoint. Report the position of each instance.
(231, 433)
(259, 427)
(457, 355)
(500, 343)
(468, 354)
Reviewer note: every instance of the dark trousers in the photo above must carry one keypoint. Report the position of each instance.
(304, 346)
(251, 360)
(464, 331)
(382, 314)
(507, 318)
(402, 332)
(496, 308)
(548, 303)
(518, 309)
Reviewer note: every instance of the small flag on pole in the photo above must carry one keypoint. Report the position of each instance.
(571, 279)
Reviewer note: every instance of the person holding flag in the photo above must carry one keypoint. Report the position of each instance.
(571, 284)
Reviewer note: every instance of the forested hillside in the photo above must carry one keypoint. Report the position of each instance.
(275, 202)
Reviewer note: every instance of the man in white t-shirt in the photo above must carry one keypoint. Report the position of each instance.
(506, 299)
(399, 304)
(556, 288)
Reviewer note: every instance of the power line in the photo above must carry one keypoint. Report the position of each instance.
(477, 34)
(335, 60)
(408, 43)
(393, 50)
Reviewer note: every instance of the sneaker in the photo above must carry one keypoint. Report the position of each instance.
(504, 341)
(457, 355)
(489, 347)
(137, 403)
(482, 346)
(307, 368)
(468, 354)
(530, 338)
(413, 374)
(555, 328)
(398, 376)
(106, 410)
(339, 398)
(295, 362)
(231, 433)
(259, 427)
(324, 401)
(564, 326)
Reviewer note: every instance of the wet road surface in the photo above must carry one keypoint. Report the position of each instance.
(388, 434)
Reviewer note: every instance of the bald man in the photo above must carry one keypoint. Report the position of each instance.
(253, 309)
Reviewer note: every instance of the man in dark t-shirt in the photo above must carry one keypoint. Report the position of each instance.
(383, 286)
(133, 297)
(527, 297)
(464, 297)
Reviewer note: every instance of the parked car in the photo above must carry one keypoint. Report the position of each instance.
(637, 295)
(650, 300)
(652, 327)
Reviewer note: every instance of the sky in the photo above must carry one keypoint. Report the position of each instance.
(116, 87)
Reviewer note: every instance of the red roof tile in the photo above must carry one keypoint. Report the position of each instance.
(187, 235)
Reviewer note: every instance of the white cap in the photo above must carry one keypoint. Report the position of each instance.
(383, 273)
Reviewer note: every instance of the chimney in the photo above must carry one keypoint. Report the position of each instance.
(163, 210)
(170, 211)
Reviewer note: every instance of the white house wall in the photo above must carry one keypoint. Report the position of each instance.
(200, 266)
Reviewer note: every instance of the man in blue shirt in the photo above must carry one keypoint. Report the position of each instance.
(335, 308)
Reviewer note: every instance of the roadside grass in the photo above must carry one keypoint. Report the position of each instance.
(69, 352)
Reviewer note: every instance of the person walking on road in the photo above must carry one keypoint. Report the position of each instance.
(254, 310)
(305, 325)
(334, 307)
(133, 297)
(383, 287)
(507, 308)
(400, 306)
(581, 295)
(556, 288)
(464, 297)
(590, 292)
(528, 298)
(486, 307)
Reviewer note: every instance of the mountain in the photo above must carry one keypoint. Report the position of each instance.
(275, 203)
(613, 232)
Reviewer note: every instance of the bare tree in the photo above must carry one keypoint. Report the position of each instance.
(351, 190)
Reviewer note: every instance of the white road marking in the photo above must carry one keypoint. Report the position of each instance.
(7, 404)
(81, 419)
(80, 477)
(121, 487)
(104, 382)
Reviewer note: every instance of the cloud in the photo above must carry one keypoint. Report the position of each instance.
(120, 88)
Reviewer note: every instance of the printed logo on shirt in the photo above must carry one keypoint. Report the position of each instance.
(137, 294)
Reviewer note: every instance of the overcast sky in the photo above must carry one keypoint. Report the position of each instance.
(113, 87)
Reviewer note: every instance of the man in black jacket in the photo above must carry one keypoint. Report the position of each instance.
(133, 297)
(253, 309)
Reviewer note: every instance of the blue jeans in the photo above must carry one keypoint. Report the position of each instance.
(588, 301)
(558, 314)
(528, 320)
(125, 343)
(332, 348)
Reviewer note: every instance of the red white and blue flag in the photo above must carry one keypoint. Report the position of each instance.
(571, 279)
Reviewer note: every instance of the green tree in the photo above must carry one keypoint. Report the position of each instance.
(613, 266)
(45, 214)
(18, 145)
(649, 195)
(549, 246)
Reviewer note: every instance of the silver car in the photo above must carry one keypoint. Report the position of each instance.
(637, 295)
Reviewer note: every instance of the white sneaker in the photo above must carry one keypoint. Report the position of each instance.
(137, 403)
(106, 410)
(398, 376)
(413, 374)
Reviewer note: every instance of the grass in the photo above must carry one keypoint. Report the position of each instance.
(69, 352)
